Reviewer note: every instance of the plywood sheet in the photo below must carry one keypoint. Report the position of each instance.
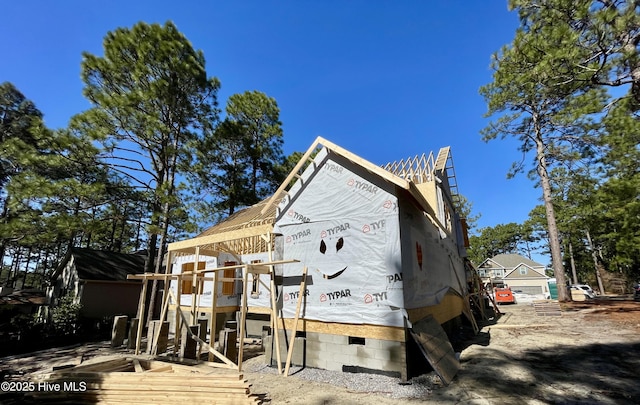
(436, 348)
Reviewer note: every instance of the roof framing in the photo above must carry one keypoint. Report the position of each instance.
(250, 230)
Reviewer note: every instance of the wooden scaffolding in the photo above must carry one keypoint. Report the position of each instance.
(248, 231)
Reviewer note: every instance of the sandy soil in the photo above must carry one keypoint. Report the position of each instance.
(588, 355)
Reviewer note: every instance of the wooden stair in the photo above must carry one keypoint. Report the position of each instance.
(547, 308)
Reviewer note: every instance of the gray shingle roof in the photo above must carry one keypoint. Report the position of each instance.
(101, 265)
(511, 260)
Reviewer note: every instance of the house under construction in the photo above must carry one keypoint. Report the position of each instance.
(342, 268)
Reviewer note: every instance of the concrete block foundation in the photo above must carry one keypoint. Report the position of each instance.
(342, 353)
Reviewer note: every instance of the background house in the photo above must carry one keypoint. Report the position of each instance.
(516, 271)
(98, 280)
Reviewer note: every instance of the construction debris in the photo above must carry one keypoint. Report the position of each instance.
(138, 381)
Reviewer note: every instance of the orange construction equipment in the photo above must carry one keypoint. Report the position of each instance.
(504, 295)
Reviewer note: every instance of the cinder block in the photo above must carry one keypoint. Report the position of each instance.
(297, 357)
(350, 350)
(316, 347)
(189, 346)
(317, 363)
(312, 337)
(162, 338)
(398, 353)
(383, 344)
(335, 339)
(382, 355)
(373, 364)
(133, 333)
(333, 365)
(366, 352)
(343, 359)
(119, 330)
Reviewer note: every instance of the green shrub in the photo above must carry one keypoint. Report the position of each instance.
(65, 316)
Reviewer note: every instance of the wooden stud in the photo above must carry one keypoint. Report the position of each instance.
(301, 296)
(163, 314)
(141, 305)
(178, 326)
(243, 315)
(214, 313)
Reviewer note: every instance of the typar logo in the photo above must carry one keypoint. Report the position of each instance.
(294, 295)
(298, 236)
(388, 204)
(335, 230)
(334, 168)
(375, 297)
(298, 217)
(362, 186)
(334, 295)
(374, 226)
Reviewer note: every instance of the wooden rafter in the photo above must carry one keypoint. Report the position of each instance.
(418, 169)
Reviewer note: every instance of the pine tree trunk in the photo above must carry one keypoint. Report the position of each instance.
(573, 264)
(596, 264)
(552, 227)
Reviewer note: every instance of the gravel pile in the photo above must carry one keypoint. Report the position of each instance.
(418, 387)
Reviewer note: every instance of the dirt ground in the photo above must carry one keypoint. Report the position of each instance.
(588, 355)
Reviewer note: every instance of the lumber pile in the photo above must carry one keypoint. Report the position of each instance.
(547, 308)
(137, 381)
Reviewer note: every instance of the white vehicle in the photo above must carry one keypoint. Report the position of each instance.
(586, 290)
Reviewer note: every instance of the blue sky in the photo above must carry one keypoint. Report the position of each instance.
(386, 80)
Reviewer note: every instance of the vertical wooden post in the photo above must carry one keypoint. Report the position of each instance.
(303, 285)
(214, 313)
(194, 287)
(243, 314)
(163, 314)
(141, 304)
(178, 326)
(274, 309)
(274, 321)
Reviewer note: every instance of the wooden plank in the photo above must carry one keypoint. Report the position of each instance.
(214, 387)
(221, 237)
(274, 320)
(194, 287)
(163, 315)
(178, 327)
(104, 365)
(156, 397)
(301, 296)
(243, 316)
(450, 307)
(547, 308)
(214, 313)
(168, 379)
(141, 305)
(306, 157)
(160, 369)
(137, 366)
(393, 333)
(435, 346)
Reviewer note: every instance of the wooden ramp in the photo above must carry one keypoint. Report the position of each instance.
(137, 381)
(547, 308)
(435, 346)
